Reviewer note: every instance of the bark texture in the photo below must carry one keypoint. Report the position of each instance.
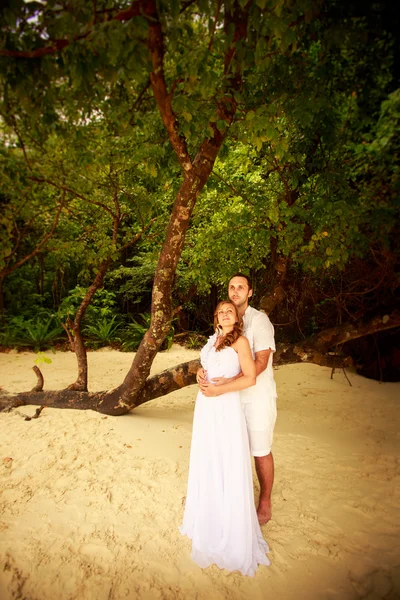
(324, 340)
(40, 381)
(74, 332)
(277, 294)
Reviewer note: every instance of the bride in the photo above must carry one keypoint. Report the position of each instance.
(220, 515)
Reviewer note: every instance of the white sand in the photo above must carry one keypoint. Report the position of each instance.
(90, 505)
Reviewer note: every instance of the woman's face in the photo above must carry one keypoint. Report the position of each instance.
(226, 315)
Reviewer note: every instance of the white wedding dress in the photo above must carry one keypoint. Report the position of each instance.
(220, 515)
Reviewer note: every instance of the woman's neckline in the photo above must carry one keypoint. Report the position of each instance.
(224, 348)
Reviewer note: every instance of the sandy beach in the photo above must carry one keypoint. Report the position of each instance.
(90, 505)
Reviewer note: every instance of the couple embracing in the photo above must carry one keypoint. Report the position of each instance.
(234, 415)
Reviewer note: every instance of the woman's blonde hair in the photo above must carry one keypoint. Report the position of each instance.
(231, 337)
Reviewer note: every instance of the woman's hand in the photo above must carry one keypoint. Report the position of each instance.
(209, 390)
(201, 376)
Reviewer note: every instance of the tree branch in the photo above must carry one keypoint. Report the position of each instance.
(210, 45)
(161, 95)
(334, 336)
(136, 10)
(65, 188)
(139, 98)
(234, 190)
(40, 381)
(38, 248)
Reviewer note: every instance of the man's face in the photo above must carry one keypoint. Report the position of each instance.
(239, 292)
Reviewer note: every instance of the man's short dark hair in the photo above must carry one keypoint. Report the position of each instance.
(244, 277)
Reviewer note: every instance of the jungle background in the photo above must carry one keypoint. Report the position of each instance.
(150, 150)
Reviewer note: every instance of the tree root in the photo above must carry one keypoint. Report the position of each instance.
(39, 386)
(36, 415)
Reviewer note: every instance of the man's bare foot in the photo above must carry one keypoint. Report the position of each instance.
(264, 511)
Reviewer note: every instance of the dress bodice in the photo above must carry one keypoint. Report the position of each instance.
(224, 363)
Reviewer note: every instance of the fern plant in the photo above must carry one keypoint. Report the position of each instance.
(103, 331)
(134, 332)
(39, 333)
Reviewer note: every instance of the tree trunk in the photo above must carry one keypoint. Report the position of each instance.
(77, 343)
(195, 175)
(270, 300)
(3, 317)
(313, 350)
(126, 396)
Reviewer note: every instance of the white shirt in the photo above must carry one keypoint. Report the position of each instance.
(258, 329)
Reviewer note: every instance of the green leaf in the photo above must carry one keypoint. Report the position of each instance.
(152, 170)
(261, 4)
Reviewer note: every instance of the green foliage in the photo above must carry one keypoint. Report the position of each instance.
(42, 333)
(8, 337)
(134, 282)
(376, 173)
(42, 358)
(133, 334)
(169, 339)
(101, 308)
(39, 333)
(293, 185)
(103, 331)
(195, 342)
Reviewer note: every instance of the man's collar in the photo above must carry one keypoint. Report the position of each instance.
(248, 309)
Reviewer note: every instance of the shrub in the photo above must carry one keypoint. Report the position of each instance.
(134, 332)
(103, 331)
(100, 308)
(38, 333)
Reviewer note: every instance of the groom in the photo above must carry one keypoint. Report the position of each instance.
(259, 401)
